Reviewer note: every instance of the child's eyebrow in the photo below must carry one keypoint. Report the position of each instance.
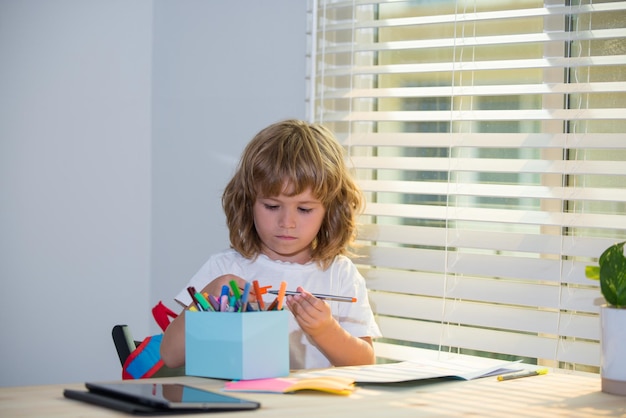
(310, 202)
(301, 202)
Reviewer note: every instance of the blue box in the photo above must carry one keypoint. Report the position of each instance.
(237, 345)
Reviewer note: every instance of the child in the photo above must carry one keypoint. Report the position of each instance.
(291, 211)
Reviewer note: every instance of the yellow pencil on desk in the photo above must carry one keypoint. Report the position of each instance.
(523, 374)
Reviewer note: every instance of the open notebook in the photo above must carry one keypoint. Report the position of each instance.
(406, 371)
(341, 380)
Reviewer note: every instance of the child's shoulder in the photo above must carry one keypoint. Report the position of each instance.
(341, 258)
(228, 255)
(343, 262)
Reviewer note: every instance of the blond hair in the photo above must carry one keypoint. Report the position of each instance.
(302, 156)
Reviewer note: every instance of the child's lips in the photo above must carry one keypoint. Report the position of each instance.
(286, 237)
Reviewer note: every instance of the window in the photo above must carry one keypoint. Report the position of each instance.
(490, 139)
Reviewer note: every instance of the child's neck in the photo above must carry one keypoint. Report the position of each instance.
(300, 258)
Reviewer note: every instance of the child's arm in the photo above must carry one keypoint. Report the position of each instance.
(340, 347)
(173, 342)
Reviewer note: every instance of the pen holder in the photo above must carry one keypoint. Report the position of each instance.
(232, 345)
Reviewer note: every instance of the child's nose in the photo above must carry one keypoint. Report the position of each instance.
(287, 220)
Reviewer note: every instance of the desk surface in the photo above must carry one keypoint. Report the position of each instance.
(552, 395)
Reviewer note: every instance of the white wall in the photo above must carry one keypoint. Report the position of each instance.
(223, 70)
(120, 123)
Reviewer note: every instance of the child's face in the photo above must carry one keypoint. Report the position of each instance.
(288, 224)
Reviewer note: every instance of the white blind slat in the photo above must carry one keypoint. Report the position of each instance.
(480, 41)
(516, 344)
(466, 66)
(487, 165)
(487, 140)
(488, 90)
(494, 190)
(500, 291)
(538, 269)
(478, 115)
(497, 316)
(499, 216)
(471, 16)
(485, 239)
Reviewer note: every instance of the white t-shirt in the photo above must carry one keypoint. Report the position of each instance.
(341, 278)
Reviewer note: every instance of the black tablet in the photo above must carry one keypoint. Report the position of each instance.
(171, 396)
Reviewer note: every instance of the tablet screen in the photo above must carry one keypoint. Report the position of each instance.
(171, 395)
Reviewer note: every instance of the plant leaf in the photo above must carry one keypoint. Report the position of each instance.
(613, 275)
(592, 272)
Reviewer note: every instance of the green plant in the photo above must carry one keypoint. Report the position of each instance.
(611, 271)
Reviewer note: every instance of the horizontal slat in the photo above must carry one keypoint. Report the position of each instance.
(404, 234)
(403, 281)
(495, 190)
(496, 292)
(454, 236)
(435, 285)
(402, 258)
(521, 293)
(396, 352)
(483, 265)
(498, 216)
(478, 115)
(502, 40)
(491, 165)
(469, 264)
(485, 140)
(509, 64)
(462, 16)
(463, 311)
(516, 344)
(479, 90)
(575, 325)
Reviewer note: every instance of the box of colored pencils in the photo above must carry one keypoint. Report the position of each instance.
(238, 345)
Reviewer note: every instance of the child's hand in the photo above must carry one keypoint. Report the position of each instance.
(215, 287)
(312, 314)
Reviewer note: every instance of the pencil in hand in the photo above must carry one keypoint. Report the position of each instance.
(318, 295)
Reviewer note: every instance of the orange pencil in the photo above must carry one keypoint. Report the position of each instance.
(281, 295)
(259, 292)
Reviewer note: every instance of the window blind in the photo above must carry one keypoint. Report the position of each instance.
(490, 139)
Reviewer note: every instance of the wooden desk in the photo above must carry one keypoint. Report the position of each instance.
(553, 395)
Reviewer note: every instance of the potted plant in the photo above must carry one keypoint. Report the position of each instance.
(611, 271)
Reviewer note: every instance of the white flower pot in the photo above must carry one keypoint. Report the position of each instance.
(613, 350)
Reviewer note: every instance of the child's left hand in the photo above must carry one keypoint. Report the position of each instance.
(312, 314)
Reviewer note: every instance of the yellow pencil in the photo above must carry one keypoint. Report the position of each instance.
(523, 374)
